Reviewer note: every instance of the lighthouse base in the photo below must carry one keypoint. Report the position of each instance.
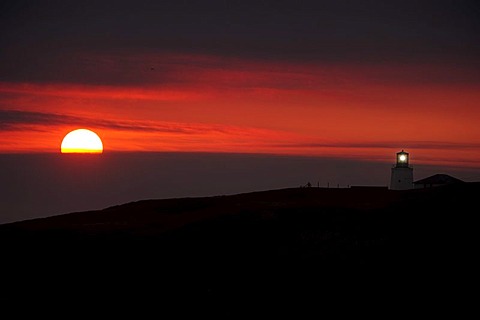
(401, 179)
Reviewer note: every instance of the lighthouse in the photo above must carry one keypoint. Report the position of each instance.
(402, 173)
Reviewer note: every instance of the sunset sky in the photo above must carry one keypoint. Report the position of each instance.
(204, 98)
(354, 79)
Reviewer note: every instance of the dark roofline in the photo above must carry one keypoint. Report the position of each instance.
(439, 178)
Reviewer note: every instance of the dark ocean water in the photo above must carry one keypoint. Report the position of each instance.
(39, 185)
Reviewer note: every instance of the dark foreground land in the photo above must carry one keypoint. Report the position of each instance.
(368, 243)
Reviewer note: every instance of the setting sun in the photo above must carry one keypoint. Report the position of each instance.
(82, 141)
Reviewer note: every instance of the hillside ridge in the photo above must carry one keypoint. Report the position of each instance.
(220, 244)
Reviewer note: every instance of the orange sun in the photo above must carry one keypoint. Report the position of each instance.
(82, 141)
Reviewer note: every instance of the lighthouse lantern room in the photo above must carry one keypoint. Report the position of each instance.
(402, 173)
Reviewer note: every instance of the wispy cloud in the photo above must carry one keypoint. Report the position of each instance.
(158, 93)
(28, 120)
(134, 135)
(15, 120)
(41, 131)
(442, 145)
(126, 74)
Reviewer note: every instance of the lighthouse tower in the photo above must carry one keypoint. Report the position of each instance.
(402, 173)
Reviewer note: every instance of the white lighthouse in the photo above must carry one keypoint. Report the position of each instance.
(402, 173)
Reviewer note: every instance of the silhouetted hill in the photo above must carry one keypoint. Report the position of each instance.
(279, 242)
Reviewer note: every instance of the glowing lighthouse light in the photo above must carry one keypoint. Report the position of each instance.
(402, 173)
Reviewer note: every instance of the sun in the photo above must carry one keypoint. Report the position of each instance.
(82, 141)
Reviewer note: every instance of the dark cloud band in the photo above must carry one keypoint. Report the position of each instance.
(24, 120)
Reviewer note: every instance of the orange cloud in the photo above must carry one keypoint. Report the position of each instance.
(99, 92)
(211, 104)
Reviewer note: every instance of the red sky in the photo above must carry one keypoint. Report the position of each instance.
(215, 104)
(316, 78)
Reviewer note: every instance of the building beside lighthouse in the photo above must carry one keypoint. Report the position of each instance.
(402, 173)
